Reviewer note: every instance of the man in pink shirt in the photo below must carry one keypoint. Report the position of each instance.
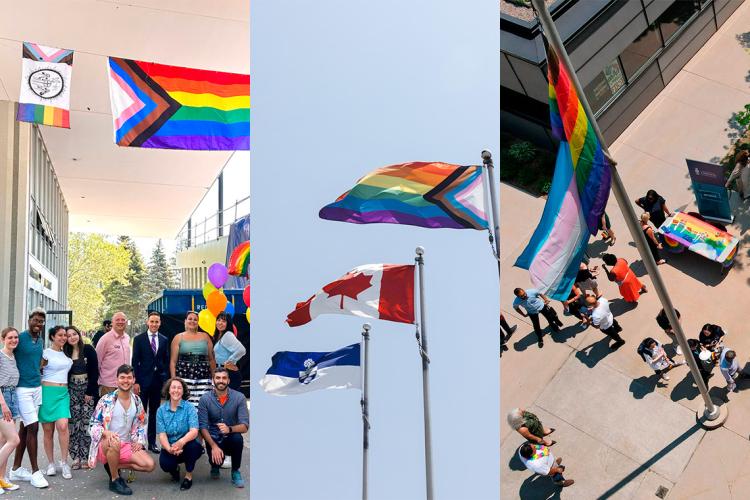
(112, 351)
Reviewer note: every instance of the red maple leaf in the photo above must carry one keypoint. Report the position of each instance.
(350, 286)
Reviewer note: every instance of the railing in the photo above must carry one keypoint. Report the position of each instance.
(196, 232)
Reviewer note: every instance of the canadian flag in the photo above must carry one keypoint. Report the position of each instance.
(383, 291)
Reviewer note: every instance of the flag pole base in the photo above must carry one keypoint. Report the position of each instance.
(714, 421)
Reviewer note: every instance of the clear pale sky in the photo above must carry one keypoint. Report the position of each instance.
(340, 88)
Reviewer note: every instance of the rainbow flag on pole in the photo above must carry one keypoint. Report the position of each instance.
(170, 107)
(45, 85)
(577, 198)
(425, 194)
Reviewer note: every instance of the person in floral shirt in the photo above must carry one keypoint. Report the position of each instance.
(118, 433)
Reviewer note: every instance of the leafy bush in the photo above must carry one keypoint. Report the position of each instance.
(743, 117)
(522, 151)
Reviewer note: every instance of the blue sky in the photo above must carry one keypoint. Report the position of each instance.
(340, 88)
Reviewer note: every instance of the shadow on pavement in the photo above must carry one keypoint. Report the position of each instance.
(515, 462)
(566, 333)
(539, 488)
(597, 248)
(593, 353)
(619, 307)
(642, 386)
(651, 461)
(697, 267)
(523, 343)
(638, 268)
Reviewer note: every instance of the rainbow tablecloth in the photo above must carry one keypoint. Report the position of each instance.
(700, 237)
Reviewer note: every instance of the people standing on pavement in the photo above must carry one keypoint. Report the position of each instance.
(730, 368)
(711, 336)
(656, 206)
(192, 358)
(741, 174)
(118, 432)
(29, 393)
(704, 361)
(603, 319)
(654, 354)
(84, 393)
(663, 322)
(586, 279)
(228, 349)
(113, 351)
(177, 428)
(8, 403)
(536, 303)
(575, 304)
(106, 327)
(608, 234)
(630, 286)
(529, 426)
(504, 337)
(223, 418)
(151, 367)
(653, 242)
(540, 460)
(54, 412)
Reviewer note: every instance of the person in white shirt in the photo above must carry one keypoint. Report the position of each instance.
(539, 459)
(603, 319)
(654, 354)
(55, 410)
(730, 368)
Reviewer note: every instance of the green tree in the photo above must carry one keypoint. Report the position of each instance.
(127, 294)
(161, 273)
(93, 264)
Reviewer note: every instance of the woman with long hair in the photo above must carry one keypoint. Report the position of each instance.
(82, 381)
(228, 349)
(55, 410)
(653, 242)
(741, 174)
(192, 358)
(8, 403)
(655, 356)
(656, 206)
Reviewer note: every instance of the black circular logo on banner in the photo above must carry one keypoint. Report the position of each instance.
(46, 83)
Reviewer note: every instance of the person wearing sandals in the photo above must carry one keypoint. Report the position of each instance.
(653, 242)
(608, 234)
(8, 379)
(192, 358)
(84, 392)
(227, 349)
(177, 430)
(55, 410)
(529, 426)
(653, 353)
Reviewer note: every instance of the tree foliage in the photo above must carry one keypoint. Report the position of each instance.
(160, 274)
(94, 263)
(127, 295)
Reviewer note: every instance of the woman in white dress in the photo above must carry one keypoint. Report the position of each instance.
(741, 174)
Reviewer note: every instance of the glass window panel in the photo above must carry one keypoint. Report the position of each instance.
(675, 16)
(637, 53)
(604, 85)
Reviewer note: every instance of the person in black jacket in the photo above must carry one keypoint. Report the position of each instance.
(151, 367)
(84, 392)
(107, 325)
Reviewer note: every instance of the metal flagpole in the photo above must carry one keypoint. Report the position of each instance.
(490, 166)
(365, 406)
(710, 412)
(422, 342)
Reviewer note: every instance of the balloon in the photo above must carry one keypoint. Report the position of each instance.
(207, 289)
(247, 315)
(207, 321)
(217, 274)
(246, 296)
(216, 302)
(229, 309)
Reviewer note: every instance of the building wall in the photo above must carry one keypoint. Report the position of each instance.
(193, 262)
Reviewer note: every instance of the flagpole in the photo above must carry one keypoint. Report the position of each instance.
(422, 341)
(490, 166)
(365, 407)
(710, 415)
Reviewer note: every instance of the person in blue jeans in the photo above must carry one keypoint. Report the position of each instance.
(177, 430)
(223, 418)
(539, 459)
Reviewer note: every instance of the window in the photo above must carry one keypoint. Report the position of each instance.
(675, 16)
(637, 53)
(605, 85)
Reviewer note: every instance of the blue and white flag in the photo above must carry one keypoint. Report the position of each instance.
(298, 372)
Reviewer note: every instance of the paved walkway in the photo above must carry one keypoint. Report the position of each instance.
(620, 433)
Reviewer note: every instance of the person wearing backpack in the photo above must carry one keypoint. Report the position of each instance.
(654, 355)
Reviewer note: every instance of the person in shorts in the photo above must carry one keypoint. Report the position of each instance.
(8, 403)
(118, 433)
(29, 394)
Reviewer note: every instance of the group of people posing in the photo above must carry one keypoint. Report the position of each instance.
(110, 408)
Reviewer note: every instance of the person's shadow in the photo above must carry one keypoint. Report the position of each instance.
(593, 353)
(640, 387)
(534, 486)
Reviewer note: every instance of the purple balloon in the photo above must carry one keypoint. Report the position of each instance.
(217, 274)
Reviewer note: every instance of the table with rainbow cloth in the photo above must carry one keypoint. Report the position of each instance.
(683, 231)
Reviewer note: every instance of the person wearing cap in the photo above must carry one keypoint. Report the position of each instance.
(29, 394)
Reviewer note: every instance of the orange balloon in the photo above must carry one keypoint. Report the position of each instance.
(216, 302)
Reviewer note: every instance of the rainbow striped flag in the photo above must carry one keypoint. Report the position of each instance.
(424, 194)
(170, 107)
(45, 85)
(577, 198)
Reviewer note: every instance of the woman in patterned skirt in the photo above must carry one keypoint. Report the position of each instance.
(82, 382)
(192, 358)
